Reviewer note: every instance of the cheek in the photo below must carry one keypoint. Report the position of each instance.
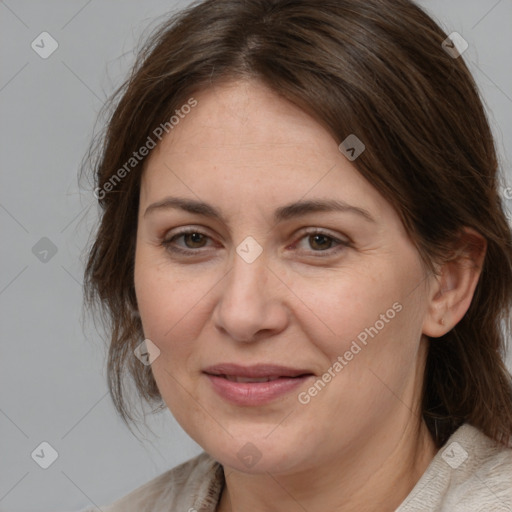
(167, 302)
(370, 316)
(340, 306)
(174, 305)
(162, 302)
(166, 295)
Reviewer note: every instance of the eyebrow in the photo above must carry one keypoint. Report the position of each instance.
(289, 211)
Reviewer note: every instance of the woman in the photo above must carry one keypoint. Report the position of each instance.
(304, 256)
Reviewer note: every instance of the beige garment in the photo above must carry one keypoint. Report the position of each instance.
(470, 473)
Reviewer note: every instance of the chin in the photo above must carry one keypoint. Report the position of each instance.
(256, 455)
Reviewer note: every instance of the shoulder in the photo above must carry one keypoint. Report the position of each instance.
(483, 480)
(193, 486)
(470, 473)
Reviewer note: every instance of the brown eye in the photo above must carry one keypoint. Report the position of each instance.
(320, 241)
(192, 238)
(196, 240)
(193, 241)
(321, 244)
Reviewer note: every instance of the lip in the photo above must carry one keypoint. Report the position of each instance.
(255, 393)
(255, 371)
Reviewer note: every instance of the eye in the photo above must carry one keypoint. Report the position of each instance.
(322, 242)
(194, 239)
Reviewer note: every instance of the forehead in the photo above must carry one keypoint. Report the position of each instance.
(246, 116)
(243, 142)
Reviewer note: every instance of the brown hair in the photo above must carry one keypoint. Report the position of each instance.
(374, 68)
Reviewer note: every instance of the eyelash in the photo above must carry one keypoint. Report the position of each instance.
(167, 243)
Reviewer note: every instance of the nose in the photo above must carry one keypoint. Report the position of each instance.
(252, 302)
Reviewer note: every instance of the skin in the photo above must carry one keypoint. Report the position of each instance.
(360, 443)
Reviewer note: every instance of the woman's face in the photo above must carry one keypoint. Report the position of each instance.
(337, 294)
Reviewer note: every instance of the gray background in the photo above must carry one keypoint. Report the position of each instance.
(52, 379)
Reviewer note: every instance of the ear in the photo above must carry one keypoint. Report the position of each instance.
(452, 290)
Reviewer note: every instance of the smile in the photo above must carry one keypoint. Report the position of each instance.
(253, 392)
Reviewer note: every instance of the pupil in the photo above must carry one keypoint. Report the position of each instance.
(196, 237)
(316, 237)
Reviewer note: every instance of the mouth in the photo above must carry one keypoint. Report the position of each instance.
(254, 385)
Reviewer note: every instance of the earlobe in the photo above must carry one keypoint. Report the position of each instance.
(134, 311)
(453, 288)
